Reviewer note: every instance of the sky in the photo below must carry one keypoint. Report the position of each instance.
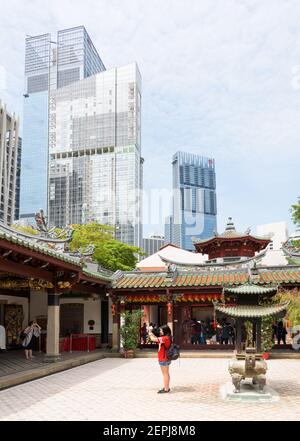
(219, 78)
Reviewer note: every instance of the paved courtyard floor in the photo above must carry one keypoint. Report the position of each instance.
(120, 390)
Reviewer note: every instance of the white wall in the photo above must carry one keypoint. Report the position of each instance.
(278, 230)
(38, 304)
(92, 311)
(14, 300)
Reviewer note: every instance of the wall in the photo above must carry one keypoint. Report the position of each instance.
(38, 304)
(92, 311)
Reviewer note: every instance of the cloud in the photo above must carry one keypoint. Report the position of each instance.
(217, 80)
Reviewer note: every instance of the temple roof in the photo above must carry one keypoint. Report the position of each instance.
(48, 251)
(250, 288)
(167, 253)
(247, 311)
(135, 280)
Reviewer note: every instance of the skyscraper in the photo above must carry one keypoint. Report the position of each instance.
(10, 149)
(194, 200)
(95, 152)
(48, 65)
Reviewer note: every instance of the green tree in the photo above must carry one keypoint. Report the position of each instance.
(293, 310)
(25, 229)
(295, 209)
(109, 253)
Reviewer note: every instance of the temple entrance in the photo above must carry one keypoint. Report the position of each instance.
(195, 328)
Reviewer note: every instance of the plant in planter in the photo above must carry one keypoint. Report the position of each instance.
(130, 332)
(266, 335)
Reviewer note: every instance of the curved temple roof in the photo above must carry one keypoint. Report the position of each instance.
(247, 311)
(249, 288)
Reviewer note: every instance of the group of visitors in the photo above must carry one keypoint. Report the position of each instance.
(202, 332)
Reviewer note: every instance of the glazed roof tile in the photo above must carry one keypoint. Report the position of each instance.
(162, 280)
(248, 311)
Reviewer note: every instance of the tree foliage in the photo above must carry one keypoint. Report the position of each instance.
(295, 209)
(293, 311)
(109, 253)
(25, 229)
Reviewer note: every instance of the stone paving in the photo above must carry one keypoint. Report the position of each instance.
(120, 390)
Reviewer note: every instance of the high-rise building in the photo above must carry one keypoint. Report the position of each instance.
(10, 148)
(95, 171)
(48, 65)
(18, 180)
(194, 199)
(152, 244)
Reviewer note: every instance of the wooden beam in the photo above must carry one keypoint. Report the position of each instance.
(26, 252)
(88, 289)
(24, 270)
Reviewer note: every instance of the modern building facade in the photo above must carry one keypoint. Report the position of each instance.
(152, 244)
(10, 150)
(95, 171)
(194, 200)
(48, 65)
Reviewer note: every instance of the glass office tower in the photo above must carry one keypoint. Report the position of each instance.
(95, 152)
(194, 200)
(48, 65)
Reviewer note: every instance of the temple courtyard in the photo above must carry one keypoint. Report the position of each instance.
(118, 390)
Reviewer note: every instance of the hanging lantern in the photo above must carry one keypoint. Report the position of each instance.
(113, 309)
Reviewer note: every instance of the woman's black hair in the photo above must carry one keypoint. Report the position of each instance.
(166, 330)
(31, 322)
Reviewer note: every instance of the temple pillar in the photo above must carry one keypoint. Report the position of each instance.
(238, 340)
(258, 335)
(170, 315)
(122, 320)
(115, 326)
(53, 328)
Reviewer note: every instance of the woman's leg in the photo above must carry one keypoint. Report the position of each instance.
(166, 376)
(30, 353)
(26, 354)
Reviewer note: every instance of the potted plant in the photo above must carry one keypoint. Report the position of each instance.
(267, 342)
(130, 332)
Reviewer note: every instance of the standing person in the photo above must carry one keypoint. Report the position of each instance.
(32, 332)
(225, 334)
(164, 343)
(144, 333)
(281, 333)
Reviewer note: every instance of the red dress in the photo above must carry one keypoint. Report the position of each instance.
(164, 344)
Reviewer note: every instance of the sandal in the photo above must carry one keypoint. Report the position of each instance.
(163, 391)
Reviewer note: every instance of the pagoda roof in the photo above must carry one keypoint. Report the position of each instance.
(231, 233)
(251, 288)
(250, 311)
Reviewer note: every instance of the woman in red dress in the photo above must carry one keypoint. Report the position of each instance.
(164, 341)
